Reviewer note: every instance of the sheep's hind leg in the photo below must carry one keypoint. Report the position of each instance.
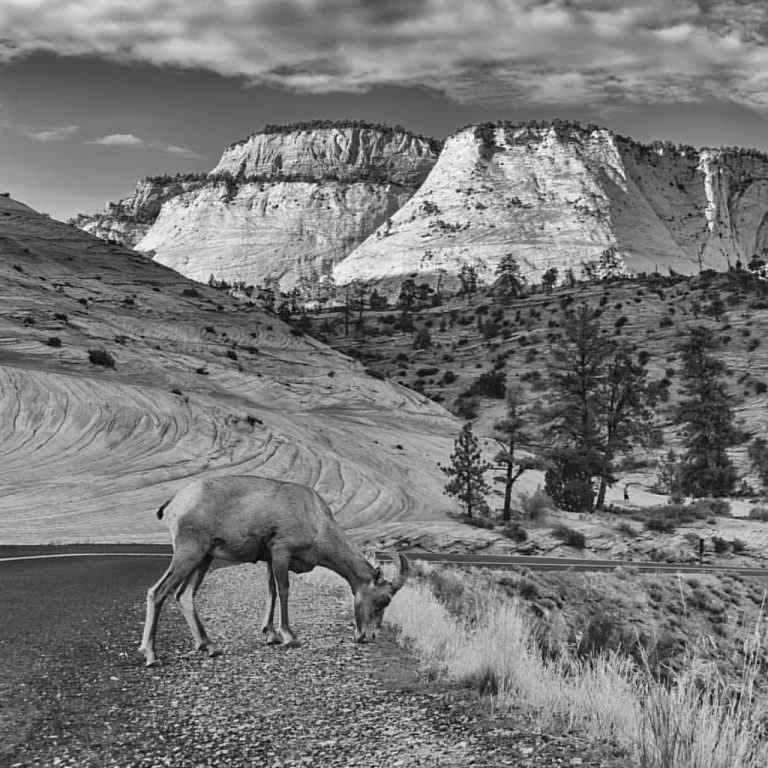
(185, 595)
(181, 567)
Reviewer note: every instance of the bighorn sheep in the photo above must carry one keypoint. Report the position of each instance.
(248, 519)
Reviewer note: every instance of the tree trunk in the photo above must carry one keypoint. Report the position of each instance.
(601, 494)
(469, 498)
(506, 514)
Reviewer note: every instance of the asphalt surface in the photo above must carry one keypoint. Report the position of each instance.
(498, 562)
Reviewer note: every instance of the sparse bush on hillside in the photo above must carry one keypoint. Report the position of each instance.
(466, 407)
(570, 537)
(449, 377)
(53, 341)
(759, 513)
(101, 357)
(514, 531)
(489, 384)
(191, 293)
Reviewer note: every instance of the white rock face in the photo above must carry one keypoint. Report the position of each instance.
(560, 195)
(282, 230)
(344, 152)
(129, 219)
(283, 204)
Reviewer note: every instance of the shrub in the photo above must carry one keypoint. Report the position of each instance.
(759, 513)
(466, 407)
(101, 357)
(665, 322)
(660, 524)
(449, 377)
(713, 507)
(202, 370)
(627, 529)
(424, 372)
(191, 293)
(489, 384)
(231, 354)
(720, 545)
(534, 505)
(570, 537)
(513, 530)
(738, 546)
(54, 341)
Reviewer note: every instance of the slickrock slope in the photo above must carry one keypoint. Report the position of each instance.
(560, 194)
(291, 231)
(129, 219)
(200, 385)
(286, 203)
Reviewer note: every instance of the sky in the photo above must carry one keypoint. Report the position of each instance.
(96, 94)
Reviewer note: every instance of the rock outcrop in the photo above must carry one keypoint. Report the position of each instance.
(572, 197)
(128, 220)
(120, 380)
(285, 204)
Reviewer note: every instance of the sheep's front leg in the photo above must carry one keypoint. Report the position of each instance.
(280, 572)
(268, 626)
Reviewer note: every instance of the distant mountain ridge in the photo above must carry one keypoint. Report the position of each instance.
(559, 194)
(297, 202)
(285, 204)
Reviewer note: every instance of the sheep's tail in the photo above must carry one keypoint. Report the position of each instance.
(160, 511)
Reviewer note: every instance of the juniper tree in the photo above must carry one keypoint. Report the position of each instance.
(707, 419)
(549, 278)
(467, 472)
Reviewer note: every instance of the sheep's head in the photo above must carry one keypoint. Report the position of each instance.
(372, 598)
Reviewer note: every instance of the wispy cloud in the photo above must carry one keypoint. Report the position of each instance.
(118, 140)
(597, 52)
(174, 149)
(50, 134)
(45, 135)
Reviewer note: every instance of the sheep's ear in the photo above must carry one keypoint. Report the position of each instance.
(377, 576)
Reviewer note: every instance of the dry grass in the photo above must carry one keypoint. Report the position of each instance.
(696, 722)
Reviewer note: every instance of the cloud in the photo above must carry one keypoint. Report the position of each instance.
(570, 52)
(174, 149)
(118, 140)
(50, 134)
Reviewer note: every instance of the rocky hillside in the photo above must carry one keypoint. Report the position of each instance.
(564, 195)
(120, 380)
(286, 203)
(129, 219)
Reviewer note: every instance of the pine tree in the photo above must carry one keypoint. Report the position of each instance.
(508, 282)
(466, 472)
(601, 406)
(707, 419)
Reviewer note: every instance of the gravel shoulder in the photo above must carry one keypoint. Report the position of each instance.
(88, 701)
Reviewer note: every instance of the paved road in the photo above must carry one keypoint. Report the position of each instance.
(33, 552)
(75, 694)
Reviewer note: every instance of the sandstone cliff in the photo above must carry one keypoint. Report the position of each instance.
(561, 195)
(286, 203)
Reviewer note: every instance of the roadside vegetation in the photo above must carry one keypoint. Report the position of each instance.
(665, 704)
